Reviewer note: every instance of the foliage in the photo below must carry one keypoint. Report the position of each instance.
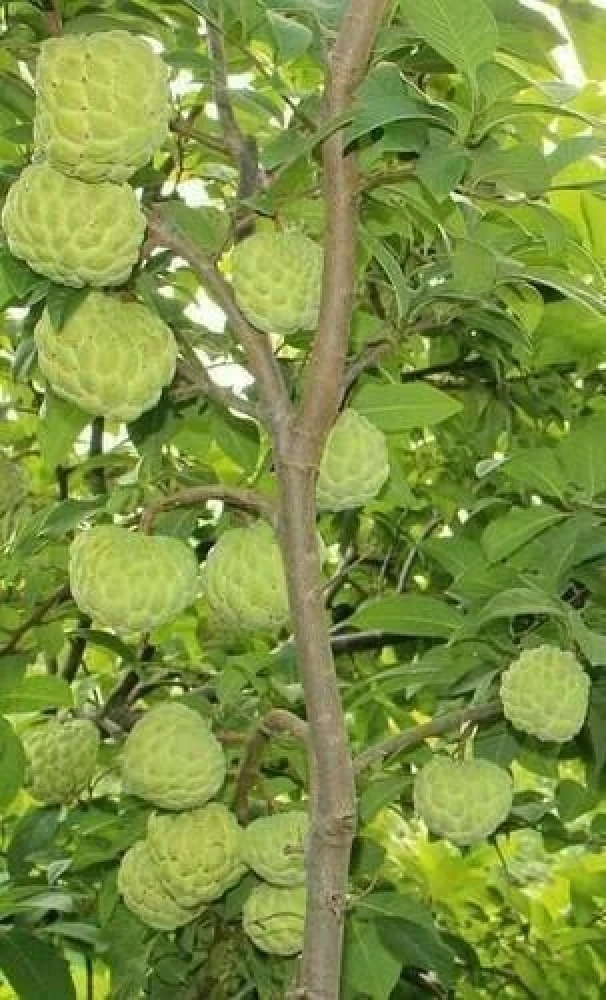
(477, 350)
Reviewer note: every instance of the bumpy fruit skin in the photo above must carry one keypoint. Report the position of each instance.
(172, 759)
(71, 232)
(244, 582)
(464, 801)
(355, 463)
(140, 885)
(274, 847)
(61, 759)
(111, 358)
(128, 581)
(545, 693)
(197, 853)
(14, 485)
(102, 105)
(277, 279)
(274, 919)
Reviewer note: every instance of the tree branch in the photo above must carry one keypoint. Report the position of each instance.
(297, 452)
(439, 726)
(196, 496)
(264, 367)
(38, 614)
(203, 384)
(276, 722)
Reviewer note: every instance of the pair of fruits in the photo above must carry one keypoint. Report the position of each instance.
(545, 693)
(193, 854)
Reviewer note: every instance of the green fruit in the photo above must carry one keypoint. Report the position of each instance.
(277, 280)
(197, 853)
(140, 885)
(355, 463)
(545, 693)
(244, 581)
(131, 582)
(111, 358)
(71, 232)
(102, 104)
(172, 758)
(14, 485)
(61, 759)
(274, 847)
(274, 919)
(464, 801)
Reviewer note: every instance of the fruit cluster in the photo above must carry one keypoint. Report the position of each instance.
(195, 850)
(545, 694)
(102, 109)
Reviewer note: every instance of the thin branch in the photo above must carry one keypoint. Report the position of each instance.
(38, 614)
(196, 496)
(203, 384)
(367, 359)
(439, 726)
(54, 21)
(276, 722)
(257, 347)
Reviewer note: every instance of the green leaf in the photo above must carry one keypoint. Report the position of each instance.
(474, 268)
(464, 32)
(36, 694)
(418, 946)
(34, 968)
(403, 407)
(292, 38)
(206, 227)
(519, 601)
(509, 533)
(395, 905)
(381, 792)
(538, 469)
(394, 272)
(591, 644)
(62, 302)
(60, 425)
(34, 834)
(596, 726)
(12, 764)
(583, 457)
(521, 169)
(408, 614)
(369, 967)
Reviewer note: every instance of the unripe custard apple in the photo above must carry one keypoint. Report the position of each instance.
(274, 919)
(464, 801)
(545, 693)
(172, 759)
(128, 581)
(277, 281)
(112, 358)
(14, 485)
(197, 853)
(274, 847)
(141, 888)
(355, 463)
(61, 759)
(244, 581)
(102, 104)
(71, 232)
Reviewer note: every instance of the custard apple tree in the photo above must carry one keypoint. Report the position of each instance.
(302, 499)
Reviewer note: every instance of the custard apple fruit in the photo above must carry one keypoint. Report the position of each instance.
(14, 485)
(128, 581)
(464, 801)
(61, 758)
(355, 463)
(141, 888)
(172, 759)
(102, 105)
(244, 581)
(545, 693)
(277, 281)
(274, 919)
(71, 232)
(112, 358)
(274, 847)
(197, 853)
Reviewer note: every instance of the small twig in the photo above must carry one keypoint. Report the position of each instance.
(206, 386)
(276, 722)
(54, 21)
(408, 563)
(59, 597)
(95, 450)
(196, 496)
(439, 726)
(367, 359)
